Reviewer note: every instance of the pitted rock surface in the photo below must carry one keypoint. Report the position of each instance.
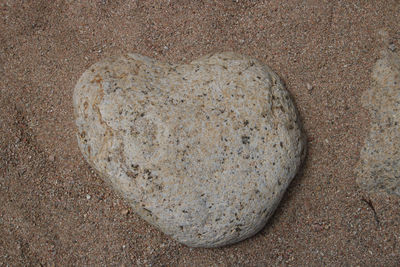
(379, 166)
(203, 151)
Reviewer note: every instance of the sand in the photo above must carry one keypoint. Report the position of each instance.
(56, 211)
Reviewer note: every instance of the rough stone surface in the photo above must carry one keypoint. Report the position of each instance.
(204, 151)
(379, 166)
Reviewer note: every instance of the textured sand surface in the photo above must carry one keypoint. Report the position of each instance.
(55, 211)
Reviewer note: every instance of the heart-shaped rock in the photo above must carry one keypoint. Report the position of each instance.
(203, 151)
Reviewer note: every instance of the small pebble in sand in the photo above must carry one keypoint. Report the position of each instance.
(309, 87)
(125, 212)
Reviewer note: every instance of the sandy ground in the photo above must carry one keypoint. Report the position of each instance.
(55, 211)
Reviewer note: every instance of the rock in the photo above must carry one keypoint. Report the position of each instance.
(125, 212)
(203, 151)
(379, 166)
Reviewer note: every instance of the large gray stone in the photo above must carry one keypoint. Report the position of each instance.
(379, 166)
(203, 151)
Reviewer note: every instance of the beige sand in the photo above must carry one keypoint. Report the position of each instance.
(55, 211)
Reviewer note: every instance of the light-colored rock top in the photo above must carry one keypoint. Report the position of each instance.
(379, 166)
(203, 151)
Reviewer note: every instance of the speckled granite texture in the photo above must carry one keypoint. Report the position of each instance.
(203, 151)
(379, 165)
